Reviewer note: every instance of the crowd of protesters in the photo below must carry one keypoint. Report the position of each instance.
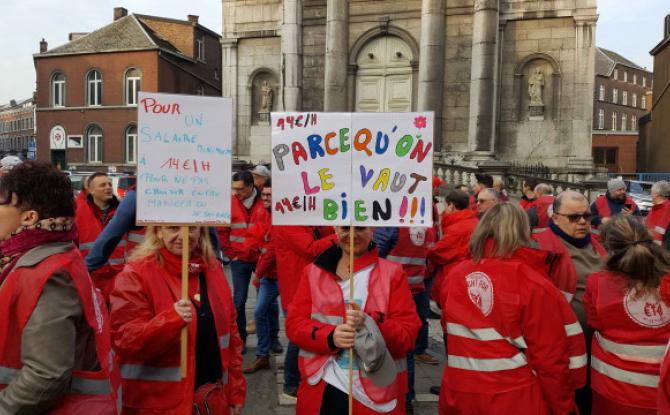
(549, 305)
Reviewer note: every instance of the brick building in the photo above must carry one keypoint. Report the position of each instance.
(87, 88)
(619, 101)
(655, 138)
(17, 127)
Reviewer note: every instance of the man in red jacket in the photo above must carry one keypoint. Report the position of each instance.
(246, 209)
(658, 220)
(529, 197)
(93, 213)
(457, 228)
(295, 248)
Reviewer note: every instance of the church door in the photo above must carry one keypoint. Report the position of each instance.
(384, 76)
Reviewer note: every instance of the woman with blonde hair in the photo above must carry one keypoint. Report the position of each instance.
(507, 345)
(630, 320)
(147, 317)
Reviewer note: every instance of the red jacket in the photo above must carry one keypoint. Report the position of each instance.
(527, 203)
(233, 238)
(542, 205)
(90, 223)
(258, 238)
(563, 274)
(296, 247)
(410, 251)
(146, 335)
(658, 220)
(631, 334)
(503, 334)
(96, 391)
(457, 228)
(318, 307)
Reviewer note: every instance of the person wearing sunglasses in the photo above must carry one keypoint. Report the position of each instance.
(486, 199)
(577, 255)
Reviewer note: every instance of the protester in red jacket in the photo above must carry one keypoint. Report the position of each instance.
(147, 317)
(612, 203)
(507, 346)
(54, 331)
(658, 220)
(246, 210)
(295, 248)
(528, 196)
(457, 228)
(380, 324)
(540, 211)
(631, 322)
(94, 213)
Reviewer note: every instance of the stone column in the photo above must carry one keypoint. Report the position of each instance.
(291, 46)
(337, 51)
(482, 79)
(431, 66)
(229, 83)
(582, 121)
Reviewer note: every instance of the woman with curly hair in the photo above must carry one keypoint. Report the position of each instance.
(147, 317)
(54, 339)
(631, 322)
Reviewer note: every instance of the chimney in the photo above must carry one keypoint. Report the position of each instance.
(666, 32)
(119, 12)
(43, 45)
(193, 18)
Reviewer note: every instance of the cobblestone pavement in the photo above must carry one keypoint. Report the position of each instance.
(264, 393)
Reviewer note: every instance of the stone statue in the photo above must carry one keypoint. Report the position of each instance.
(535, 85)
(267, 96)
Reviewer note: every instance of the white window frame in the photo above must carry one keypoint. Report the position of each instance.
(644, 81)
(132, 85)
(94, 145)
(601, 93)
(634, 103)
(601, 119)
(625, 76)
(616, 74)
(614, 121)
(94, 87)
(643, 103)
(624, 122)
(200, 49)
(130, 140)
(633, 123)
(624, 97)
(615, 96)
(58, 85)
(635, 78)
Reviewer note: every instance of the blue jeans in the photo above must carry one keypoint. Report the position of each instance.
(291, 372)
(422, 302)
(266, 301)
(241, 271)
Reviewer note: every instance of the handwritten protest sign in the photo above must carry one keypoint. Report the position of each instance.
(363, 169)
(184, 159)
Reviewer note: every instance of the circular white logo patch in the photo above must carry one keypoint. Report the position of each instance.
(480, 291)
(647, 311)
(417, 235)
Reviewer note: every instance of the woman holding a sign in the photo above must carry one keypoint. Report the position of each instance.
(147, 318)
(381, 325)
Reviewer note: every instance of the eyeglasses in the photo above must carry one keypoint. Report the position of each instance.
(575, 217)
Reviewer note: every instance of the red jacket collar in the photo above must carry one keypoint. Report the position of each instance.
(328, 260)
(458, 216)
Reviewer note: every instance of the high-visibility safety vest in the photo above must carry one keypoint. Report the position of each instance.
(604, 210)
(89, 226)
(155, 381)
(90, 392)
(134, 237)
(627, 349)
(658, 220)
(542, 205)
(563, 273)
(411, 251)
(327, 309)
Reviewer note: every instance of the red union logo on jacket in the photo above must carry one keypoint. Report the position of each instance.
(480, 291)
(647, 311)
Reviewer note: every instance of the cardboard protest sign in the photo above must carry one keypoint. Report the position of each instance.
(363, 169)
(184, 159)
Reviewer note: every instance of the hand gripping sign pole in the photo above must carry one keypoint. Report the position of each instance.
(183, 171)
(351, 169)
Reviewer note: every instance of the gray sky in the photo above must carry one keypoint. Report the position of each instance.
(629, 28)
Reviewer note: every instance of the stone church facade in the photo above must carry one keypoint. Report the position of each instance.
(507, 79)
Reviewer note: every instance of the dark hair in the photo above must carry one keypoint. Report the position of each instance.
(39, 186)
(531, 183)
(244, 176)
(93, 177)
(268, 183)
(634, 254)
(459, 199)
(485, 179)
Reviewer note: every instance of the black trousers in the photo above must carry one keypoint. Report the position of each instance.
(334, 402)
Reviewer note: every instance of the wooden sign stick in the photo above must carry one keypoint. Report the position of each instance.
(184, 296)
(351, 300)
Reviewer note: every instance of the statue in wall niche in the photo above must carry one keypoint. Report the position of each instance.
(267, 98)
(535, 86)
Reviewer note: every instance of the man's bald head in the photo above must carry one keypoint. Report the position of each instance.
(568, 195)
